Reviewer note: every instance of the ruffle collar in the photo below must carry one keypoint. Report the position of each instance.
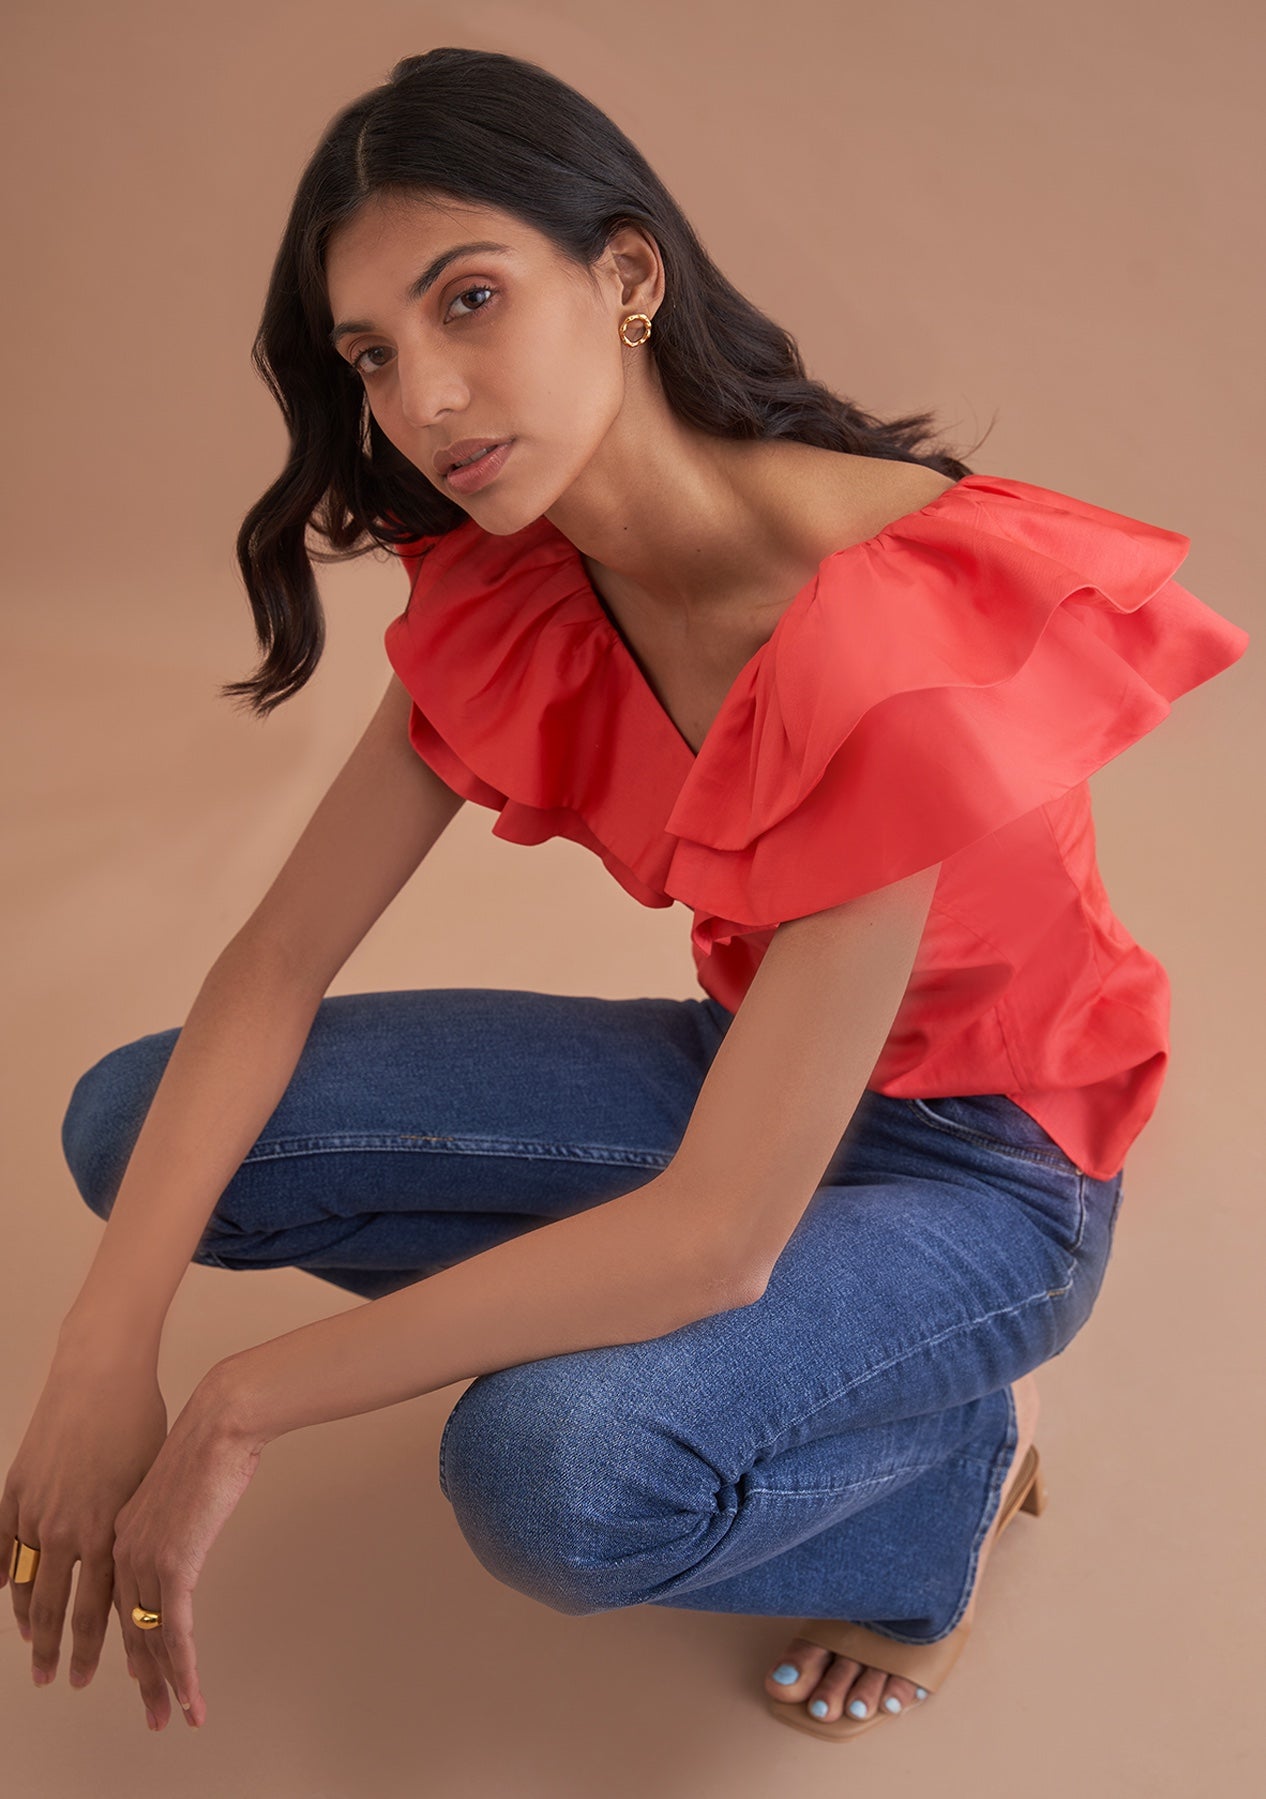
(509, 653)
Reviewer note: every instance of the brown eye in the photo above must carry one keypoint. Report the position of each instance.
(482, 288)
(354, 363)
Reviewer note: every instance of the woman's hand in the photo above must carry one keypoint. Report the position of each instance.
(93, 1435)
(162, 1536)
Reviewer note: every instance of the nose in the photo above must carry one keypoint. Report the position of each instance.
(429, 395)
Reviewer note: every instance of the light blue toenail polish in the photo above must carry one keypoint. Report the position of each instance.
(858, 1708)
(920, 1692)
(786, 1675)
(892, 1703)
(819, 1708)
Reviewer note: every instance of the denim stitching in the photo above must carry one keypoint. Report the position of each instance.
(1081, 1212)
(856, 1486)
(986, 1522)
(990, 1509)
(1022, 1152)
(444, 1439)
(915, 1349)
(410, 1143)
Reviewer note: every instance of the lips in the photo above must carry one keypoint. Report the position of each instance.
(465, 450)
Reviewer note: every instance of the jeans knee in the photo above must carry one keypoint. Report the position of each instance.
(107, 1107)
(562, 1497)
(495, 1473)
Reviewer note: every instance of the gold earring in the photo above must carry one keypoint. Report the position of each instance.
(629, 319)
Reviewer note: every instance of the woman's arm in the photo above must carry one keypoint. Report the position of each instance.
(701, 1238)
(626, 1270)
(228, 1069)
(237, 1051)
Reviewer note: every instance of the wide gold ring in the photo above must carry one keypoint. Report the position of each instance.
(23, 1562)
(145, 1620)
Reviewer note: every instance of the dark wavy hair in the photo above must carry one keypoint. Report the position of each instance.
(489, 129)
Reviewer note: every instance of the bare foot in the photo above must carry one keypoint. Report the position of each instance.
(828, 1683)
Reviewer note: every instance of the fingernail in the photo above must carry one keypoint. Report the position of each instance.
(24, 1631)
(920, 1692)
(786, 1674)
(858, 1708)
(78, 1679)
(892, 1703)
(41, 1676)
(153, 1721)
(819, 1708)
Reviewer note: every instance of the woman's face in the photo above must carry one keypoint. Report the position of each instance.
(515, 342)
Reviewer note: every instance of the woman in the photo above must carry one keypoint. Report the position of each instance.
(749, 1287)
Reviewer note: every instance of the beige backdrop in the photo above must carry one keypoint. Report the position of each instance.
(1031, 214)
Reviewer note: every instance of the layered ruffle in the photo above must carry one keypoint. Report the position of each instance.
(520, 704)
(930, 685)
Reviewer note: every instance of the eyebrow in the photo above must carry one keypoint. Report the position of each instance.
(415, 290)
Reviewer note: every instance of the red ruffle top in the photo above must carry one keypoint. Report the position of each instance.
(937, 693)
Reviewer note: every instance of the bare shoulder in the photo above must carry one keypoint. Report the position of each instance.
(834, 499)
(862, 495)
(897, 483)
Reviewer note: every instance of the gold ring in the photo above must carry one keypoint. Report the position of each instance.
(23, 1562)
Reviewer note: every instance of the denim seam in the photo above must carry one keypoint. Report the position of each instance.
(444, 1437)
(424, 1143)
(992, 1505)
(915, 1349)
(878, 1480)
(1020, 1152)
(1081, 1213)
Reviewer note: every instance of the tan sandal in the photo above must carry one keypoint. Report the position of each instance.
(926, 1664)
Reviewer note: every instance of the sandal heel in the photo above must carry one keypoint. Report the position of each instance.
(1026, 1491)
(1034, 1500)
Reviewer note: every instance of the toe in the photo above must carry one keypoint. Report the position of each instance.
(863, 1694)
(797, 1672)
(903, 1692)
(833, 1692)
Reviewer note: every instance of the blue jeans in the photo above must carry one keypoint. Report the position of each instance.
(835, 1450)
